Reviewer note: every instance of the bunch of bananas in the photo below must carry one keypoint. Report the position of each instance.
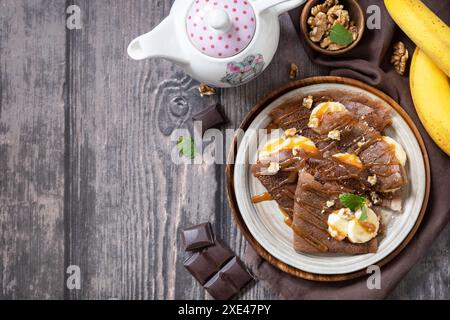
(430, 66)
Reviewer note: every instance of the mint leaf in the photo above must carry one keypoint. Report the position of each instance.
(340, 35)
(186, 146)
(352, 201)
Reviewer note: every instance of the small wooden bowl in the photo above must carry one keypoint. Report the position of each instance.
(356, 14)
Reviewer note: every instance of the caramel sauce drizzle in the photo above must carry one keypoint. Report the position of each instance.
(288, 221)
(287, 217)
(312, 241)
(288, 114)
(262, 197)
(288, 193)
(292, 178)
(313, 220)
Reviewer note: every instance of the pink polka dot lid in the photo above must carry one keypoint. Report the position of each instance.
(221, 28)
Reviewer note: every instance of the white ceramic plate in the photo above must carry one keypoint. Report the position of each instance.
(266, 223)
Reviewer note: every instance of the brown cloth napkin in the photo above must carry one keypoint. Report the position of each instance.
(369, 62)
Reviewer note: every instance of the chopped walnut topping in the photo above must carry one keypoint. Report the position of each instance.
(206, 90)
(308, 102)
(293, 73)
(274, 167)
(271, 170)
(375, 197)
(400, 57)
(372, 180)
(290, 132)
(330, 203)
(346, 214)
(334, 135)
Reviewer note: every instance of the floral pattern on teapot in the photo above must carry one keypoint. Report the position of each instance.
(241, 72)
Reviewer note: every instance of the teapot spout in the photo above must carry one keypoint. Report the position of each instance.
(161, 42)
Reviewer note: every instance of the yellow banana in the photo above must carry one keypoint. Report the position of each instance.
(427, 31)
(430, 89)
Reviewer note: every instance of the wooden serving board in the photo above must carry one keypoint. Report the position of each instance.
(237, 215)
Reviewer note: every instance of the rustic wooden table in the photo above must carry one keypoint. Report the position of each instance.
(85, 171)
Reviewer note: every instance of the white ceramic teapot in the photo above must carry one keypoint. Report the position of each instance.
(223, 43)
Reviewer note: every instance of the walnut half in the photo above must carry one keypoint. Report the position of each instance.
(293, 72)
(206, 90)
(400, 57)
(319, 26)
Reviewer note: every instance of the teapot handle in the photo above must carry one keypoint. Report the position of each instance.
(280, 6)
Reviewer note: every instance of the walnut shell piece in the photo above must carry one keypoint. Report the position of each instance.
(325, 42)
(271, 170)
(337, 14)
(293, 72)
(290, 132)
(206, 90)
(400, 57)
(308, 102)
(318, 25)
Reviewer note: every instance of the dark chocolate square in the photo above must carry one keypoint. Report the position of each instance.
(229, 281)
(219, 270)
(237, 273)
(197, 237)
(219, 287)
(200, 267)
(220, 253)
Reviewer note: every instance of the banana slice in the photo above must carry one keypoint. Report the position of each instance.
(338, 223)
(350, 159)
(275, 146)
(344, 224)
(325, 107)
(400, 153)
(363, 231)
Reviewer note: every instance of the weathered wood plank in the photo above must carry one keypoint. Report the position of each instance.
(32, 71)
(430, 278)
(123, 216)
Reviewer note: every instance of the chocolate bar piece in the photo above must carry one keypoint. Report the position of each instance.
(200, 267)
(219, 270)
(229, 281)
(203, 265)
(210, 117)
(197, 237)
